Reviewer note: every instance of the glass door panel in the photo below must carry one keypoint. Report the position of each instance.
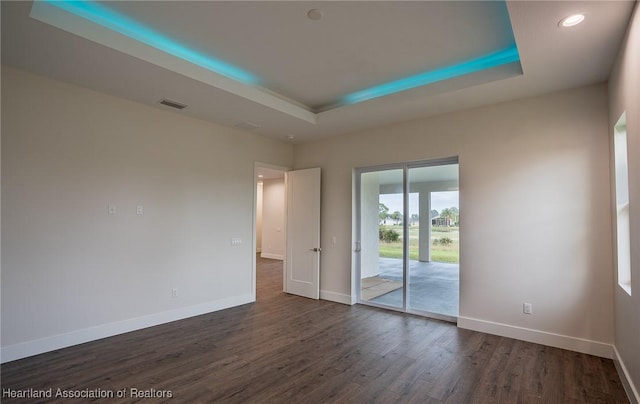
(382, 237)
(433, 264)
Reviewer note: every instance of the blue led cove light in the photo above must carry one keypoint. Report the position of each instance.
(502, 57)
(124, 25)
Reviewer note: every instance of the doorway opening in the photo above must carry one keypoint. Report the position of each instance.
(291, 232)
(408, 234)
(269, 273)
(270, 227)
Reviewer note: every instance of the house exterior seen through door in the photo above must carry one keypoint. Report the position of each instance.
(408, 225)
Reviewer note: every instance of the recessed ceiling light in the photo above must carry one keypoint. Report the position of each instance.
(571, 21)
(260, 176)
(291, 137)
(315, 14)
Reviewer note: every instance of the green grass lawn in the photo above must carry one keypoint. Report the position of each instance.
(439, 253)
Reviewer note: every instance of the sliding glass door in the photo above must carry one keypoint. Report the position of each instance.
(408, 236)
(382, 235)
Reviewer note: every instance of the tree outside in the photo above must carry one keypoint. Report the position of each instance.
(384, 212)
(445, 240)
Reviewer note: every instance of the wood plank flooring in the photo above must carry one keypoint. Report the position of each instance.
(287, 349)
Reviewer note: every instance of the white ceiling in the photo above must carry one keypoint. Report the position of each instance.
(305, 65)
(269, 174)
(351, 48)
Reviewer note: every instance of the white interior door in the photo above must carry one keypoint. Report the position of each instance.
(302, 275)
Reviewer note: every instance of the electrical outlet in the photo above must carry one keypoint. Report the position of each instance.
(174, 292)
(527, 308)
(113, 209)
(139, 210)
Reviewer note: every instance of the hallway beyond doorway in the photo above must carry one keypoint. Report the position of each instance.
(268, 278)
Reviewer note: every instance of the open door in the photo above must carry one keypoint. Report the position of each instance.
(302, 274)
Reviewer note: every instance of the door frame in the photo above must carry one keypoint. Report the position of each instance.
(358, 235)
(256, 165)
(356, 231)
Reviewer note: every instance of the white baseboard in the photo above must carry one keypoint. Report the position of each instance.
(539, 337)
(629, 387)
(272, 256)
(35, 347)
(335, 297)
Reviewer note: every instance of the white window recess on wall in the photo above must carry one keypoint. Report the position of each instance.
(623, 242)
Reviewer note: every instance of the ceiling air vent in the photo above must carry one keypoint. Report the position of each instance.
(247, 125)
(173, 104)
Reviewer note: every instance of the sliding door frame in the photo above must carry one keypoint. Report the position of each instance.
(405, 167)
(358, 225)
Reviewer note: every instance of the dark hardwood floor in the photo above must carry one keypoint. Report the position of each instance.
(287, 349)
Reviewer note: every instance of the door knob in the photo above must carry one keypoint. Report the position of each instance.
(317, 249)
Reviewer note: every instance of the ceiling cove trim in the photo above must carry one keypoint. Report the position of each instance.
(127, 26)
(97, 23)
(102, 25)
(489, 61)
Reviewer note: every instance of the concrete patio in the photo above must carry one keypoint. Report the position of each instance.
(433, 286)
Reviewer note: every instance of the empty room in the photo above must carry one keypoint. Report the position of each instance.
(320, 201)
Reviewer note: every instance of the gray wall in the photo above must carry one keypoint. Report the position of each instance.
(534, 192)
(624, 93)
(70, 271)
